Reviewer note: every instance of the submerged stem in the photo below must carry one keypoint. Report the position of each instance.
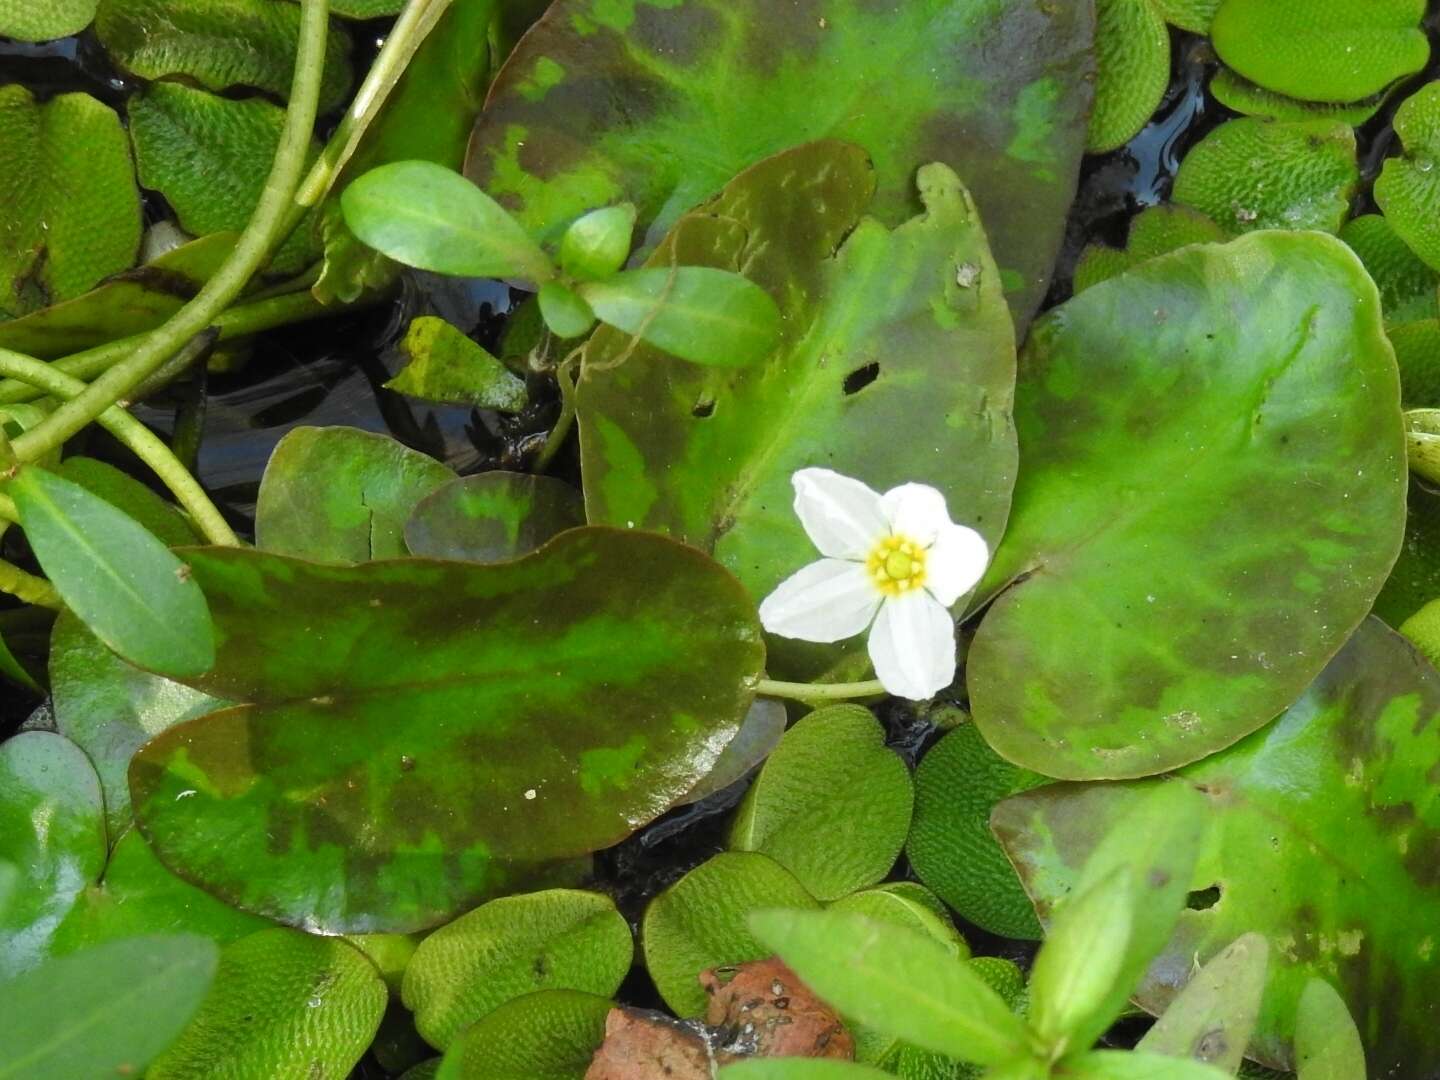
(250, 253)
(843, 691)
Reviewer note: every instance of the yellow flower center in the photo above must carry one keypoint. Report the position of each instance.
(896, 565)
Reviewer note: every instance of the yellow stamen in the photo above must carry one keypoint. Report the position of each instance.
(897, 565)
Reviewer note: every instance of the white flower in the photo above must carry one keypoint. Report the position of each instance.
(898, 555)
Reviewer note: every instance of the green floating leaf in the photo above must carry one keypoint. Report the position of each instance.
(550, 1035)
(1252, 174)
(125, 304)
(221, 44)
(698, 313)
(1192, 15)
(799, 1069)
(52, 830)
(210, 157)
(69, 208)
(831, 805)
(626, 660)
(131, 592)
(1327, 1046)
(368, 9)
(759, 734)
(442, 364)
(283, 1004)
(427, 216)
(605, 101)
(706, 455)
(598, 243)
(1132, 60)
(1155, 231)
(1212, 1019)
(1408, 189)
(1243, 96)
(138, 897)
(9, 884)
(1122, 1065)
(103, 1012)
(561, 939)
(1330, 795)
(1229, 410)
(1322, 50)
(1408, 288)
(1415, 579)
(897, 981)
(26, 20)
(700, 922)
(951, 848)
(492, 517)
(338, 494)
(110, 708)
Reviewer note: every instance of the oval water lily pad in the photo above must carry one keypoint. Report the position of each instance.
(1408, 188)
(283, 1004)
(1252, 174)
(52, 829)
(831, 805)
(1132, 46)
(560, 939)
(550, 1035)
(897, 330)
(1322, 50)
(1322, 839)
(340, 494)
(951, 848)
(110, 708)
(605, 102)
(529, 710)
(492, 517)
(1230, 411)
(700, 922)
(69, 207)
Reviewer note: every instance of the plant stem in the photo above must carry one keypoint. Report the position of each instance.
(563, 423)
(145, 444)
(28, 587)
(254, 247)
(840, 691)
(238, 322)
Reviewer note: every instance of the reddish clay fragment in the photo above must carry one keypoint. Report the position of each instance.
(764, 1010)
(644, 1045)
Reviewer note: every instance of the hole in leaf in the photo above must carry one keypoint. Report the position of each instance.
(861, 377)
(1203, 899)
(704, 408)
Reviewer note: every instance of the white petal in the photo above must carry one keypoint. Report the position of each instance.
(829, 600)
(955, 563)
(916, 511)
(841, 515)
(912, 646)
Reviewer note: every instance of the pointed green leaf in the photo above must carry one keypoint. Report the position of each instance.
(492, 517)
(106, 1011)
(425, 215)
(907, 904)
(701, 922)
(698, 313)
(831, 805)
(1321, 838)
(626, 660)
(1214, 1016)
(1327, 1046)
(127, 587)
(442, 364)
(1120, 1065)
(1271, 470)
(339, 494)
(598, 243)
(662, 103)
(283, 1004)
(560, 939)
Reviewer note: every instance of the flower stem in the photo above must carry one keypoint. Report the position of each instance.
(250, 253)
(28, 587)
(145, 444)
(843, 691)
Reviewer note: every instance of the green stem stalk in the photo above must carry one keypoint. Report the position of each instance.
(143, 442)
(253, 249)
(842, 691)
(28, 587)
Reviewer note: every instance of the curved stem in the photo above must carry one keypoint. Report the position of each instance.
(563, 423)
(145, 444)
(217, 294)
(28, 587)
(840, 691)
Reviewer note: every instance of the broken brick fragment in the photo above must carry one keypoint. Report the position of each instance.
(644, 1045)
(762, 1009)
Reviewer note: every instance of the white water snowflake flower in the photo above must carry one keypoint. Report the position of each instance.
(893, 563)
